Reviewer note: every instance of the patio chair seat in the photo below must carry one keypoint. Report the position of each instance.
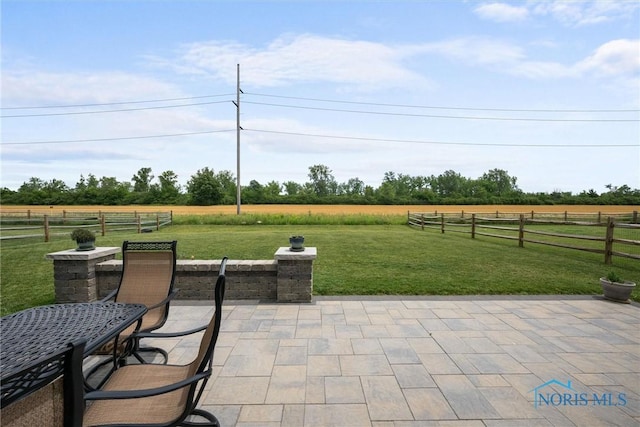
(145, 410)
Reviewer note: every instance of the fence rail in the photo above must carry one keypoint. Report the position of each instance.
(26, 224)
(520, 228)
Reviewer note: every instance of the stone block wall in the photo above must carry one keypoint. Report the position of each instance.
(89, 276)
(195, 279)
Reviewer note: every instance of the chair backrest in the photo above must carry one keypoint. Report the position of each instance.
(148, 274)
(204, 360)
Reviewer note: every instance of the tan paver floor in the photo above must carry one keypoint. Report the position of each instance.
(502, 361)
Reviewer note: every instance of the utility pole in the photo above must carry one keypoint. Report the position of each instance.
(238, 128)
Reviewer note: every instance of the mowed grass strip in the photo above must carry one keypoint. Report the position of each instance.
(352, 260)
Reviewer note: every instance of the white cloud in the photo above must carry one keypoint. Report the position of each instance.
(27, 86)
(617, 57)
(476, 50)
(302, 59)
(612, 59)
(501, 12)
(569, 13)
(579, 13)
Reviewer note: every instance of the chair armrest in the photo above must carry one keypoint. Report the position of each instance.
(135, 394)
(168, 334)
(169, 297)
(111, 295)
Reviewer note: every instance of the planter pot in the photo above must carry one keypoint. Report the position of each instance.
(617, 291)
(297, 243)
(86, 246)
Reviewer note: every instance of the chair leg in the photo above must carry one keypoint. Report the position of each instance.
(212, 421)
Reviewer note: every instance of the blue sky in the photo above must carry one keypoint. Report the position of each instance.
(364, 87)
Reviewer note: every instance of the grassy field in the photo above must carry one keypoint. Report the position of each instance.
(352, 260)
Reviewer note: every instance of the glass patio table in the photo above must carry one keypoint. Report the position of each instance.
(32, 335)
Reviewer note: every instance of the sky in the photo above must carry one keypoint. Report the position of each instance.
(548, 91)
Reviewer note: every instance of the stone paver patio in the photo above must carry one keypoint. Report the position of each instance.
(475, 361)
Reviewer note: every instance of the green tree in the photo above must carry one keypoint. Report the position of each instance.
(322, 181)
(169, 187)
(353, 187)
(204, 188)
(142, 180)
(292, 188)
(449, 184)
(253, 193)
(228, 185)
(498, 182)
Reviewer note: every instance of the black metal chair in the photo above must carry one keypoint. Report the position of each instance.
(148, 275)
(160, 394)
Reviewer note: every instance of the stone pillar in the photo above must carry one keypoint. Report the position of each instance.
(74, 273)
(295, 274)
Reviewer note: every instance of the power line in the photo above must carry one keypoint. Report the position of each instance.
(115, 103)
(69, 141)
(112, 111)
(440, 116)
(413, 141)
(449, 108)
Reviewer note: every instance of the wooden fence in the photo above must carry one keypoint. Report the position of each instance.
(542, 229)
(22, 225)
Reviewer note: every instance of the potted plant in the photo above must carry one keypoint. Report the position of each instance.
(85, 239)
(297, 243)
(615, 288)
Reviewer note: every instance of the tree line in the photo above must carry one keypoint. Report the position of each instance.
(207, 187)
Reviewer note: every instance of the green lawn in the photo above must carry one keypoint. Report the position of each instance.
(352, 260)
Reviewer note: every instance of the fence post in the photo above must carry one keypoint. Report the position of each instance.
(103, 225)
(46, 228)
(497, 215)
(157, 222)
(599, 217)
(139, 223)
(442, 223)
(565, 216)
(462, 214)
(473, 226)
(422, 222)
(608, 241)
(521, 232)
(531, 214)
(64, 216)
(635, 217)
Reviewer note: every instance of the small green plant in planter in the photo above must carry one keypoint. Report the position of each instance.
(297, 243)
(615, 288)
(85, 239)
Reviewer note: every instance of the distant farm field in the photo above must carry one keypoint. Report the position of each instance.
(327, 209)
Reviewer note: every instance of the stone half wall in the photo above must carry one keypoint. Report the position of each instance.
(91, 275)
(195, 279)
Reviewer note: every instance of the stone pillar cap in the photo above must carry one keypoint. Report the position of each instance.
(73, 255)
(285, 253)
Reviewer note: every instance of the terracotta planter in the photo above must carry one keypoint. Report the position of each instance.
(617, 291)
